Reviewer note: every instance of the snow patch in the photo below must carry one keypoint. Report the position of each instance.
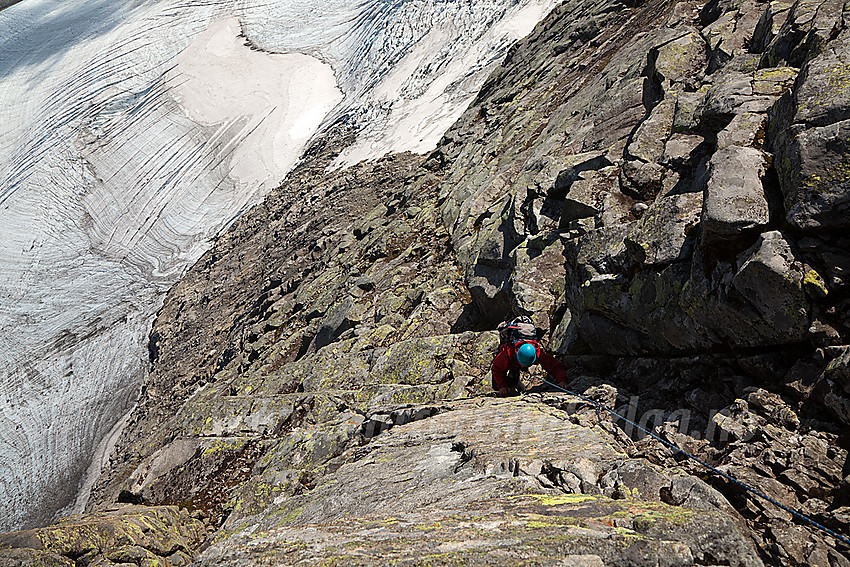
(275, 101)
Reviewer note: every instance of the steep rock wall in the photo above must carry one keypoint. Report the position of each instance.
(689, 173)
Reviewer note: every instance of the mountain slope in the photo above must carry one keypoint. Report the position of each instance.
(647, 181)
(135, 133)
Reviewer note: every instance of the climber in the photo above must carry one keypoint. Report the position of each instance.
(518, 350)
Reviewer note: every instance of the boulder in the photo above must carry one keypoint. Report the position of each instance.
(598, 253)
(729, 35)
(572, 168)
(417, 361)
(769, 26)
(814, 174)
(647, 142)
(680, 151)
(287, 463)
(735, 200)
(617, 208)
(838, 370)
(736, 423)
(539, 267)
(731, 93)
(210, 414)
(805, 27)
(665, 232)
(745, 129)
(770, 279)
(640, 315)
(835, 386)
(489, 267)
(586, 196)
(809, 135)
(832, 256)
(774, 81)
(823, 95)
(686, 119)
(335, 367)
(679, 62)
(25, 557)
(642, 180)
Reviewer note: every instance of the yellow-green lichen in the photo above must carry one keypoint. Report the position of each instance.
(814, 283)
(221, 445)
(288, 516)
(539, 524)
(557, 500)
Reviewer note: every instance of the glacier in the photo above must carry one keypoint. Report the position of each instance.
(131, 133)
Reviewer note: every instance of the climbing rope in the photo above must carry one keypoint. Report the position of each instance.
(727, 476)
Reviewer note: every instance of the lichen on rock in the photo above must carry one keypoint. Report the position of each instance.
(659, 188)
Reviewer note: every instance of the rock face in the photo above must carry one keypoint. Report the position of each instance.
(129, 535)
(478, 485)
(635, 177)
(370, 280)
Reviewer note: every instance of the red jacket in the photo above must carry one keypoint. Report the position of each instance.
(506, 360)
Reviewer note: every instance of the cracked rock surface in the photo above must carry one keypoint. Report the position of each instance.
(487, 483)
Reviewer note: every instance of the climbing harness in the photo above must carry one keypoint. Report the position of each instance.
(795, 513)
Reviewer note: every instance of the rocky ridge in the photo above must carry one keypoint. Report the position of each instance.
(660, 185)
